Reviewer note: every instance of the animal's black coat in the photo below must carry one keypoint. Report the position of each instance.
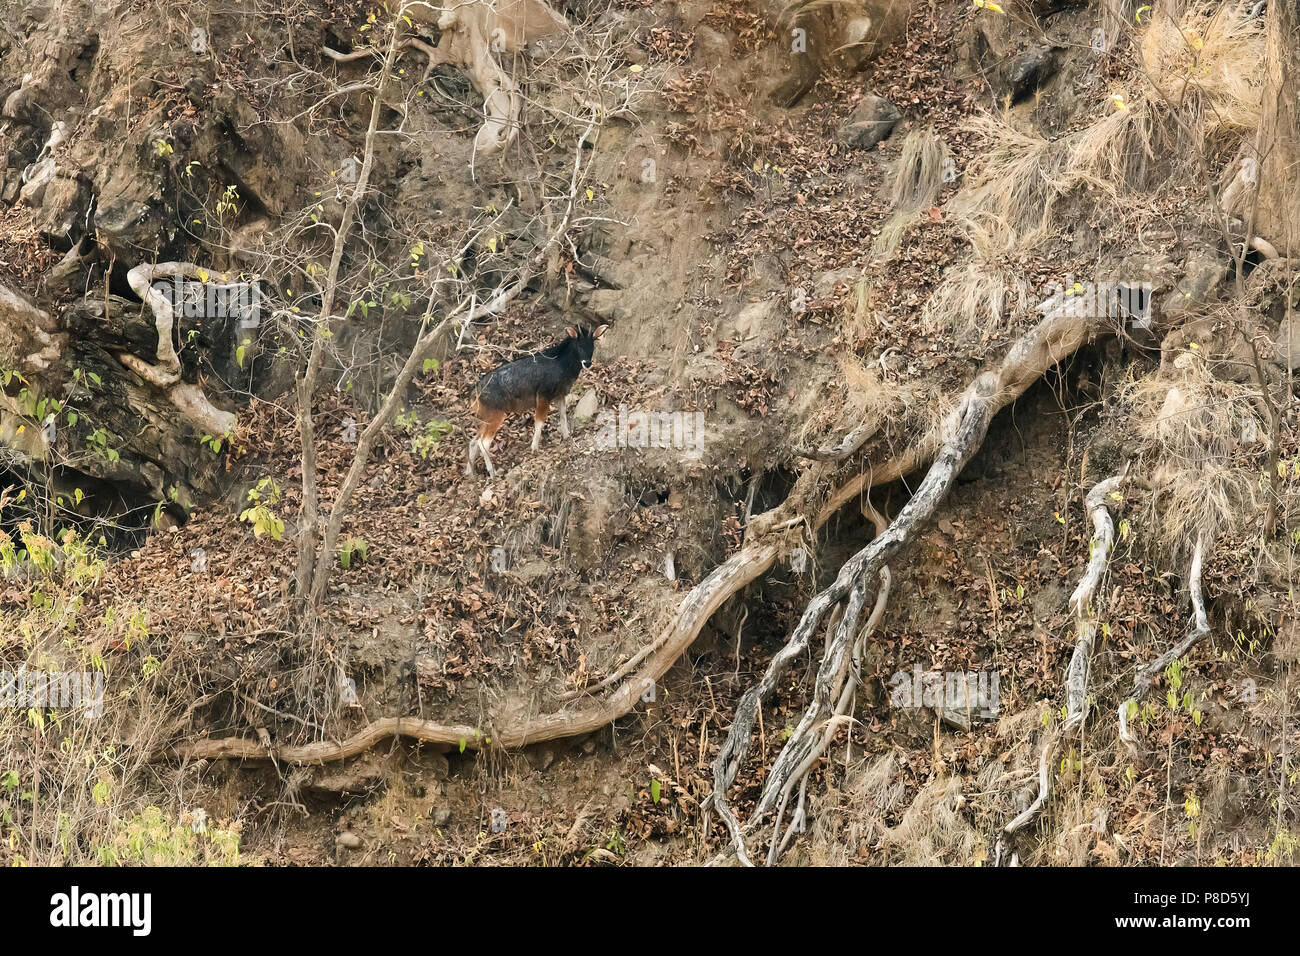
(544, 376)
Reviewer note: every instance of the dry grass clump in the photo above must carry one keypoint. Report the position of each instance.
(980, 297)
(870, 397)
(854, 818)
(933, 831)
(1075, 826)
(1077, 822)
(1118, 153)
(1208, 67)
(914, 185)
(1198, 433)
(1204, 83)
(1204, 76)
(1013, 186)
(1204, 86)
(867, 404)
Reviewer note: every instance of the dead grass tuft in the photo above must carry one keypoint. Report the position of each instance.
(1208, 66)
(1013, 186)
(979, 298)
(914, 185)
(854, 818)
(1197, 431)
(933, 831)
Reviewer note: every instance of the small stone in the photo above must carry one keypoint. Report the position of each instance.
(348, 840)
(585, 410)
(871, 121)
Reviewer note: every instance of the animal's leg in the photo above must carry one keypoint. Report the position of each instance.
(469, 457)
(539, 419)
(491, 424)
(564, 419)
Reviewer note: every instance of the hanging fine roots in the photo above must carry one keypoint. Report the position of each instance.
(814, 734)
(1057, 335)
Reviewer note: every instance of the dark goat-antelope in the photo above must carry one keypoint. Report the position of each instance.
(531, 383)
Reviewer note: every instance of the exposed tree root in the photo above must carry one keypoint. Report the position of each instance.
(768, 536)
(700, 604)
(1081, 601)
(852, 583)
(166, 375)
(1076, 681)
(1146, 676)
(843, 689)
(843, 448)
(1057, 335)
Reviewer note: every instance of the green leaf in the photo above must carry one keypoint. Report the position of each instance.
(654, 790)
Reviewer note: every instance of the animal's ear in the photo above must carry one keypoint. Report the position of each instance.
(573, 333)
(600, 330)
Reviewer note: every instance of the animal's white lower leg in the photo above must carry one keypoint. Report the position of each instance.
(564, 419)
(469, 457)
(537, 434)
(487, 459)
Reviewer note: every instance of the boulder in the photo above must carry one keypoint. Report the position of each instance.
(871, 121)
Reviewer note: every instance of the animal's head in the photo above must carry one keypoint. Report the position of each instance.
(584, 340)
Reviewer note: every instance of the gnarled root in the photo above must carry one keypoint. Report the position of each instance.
(843, 690)
(851, 582)
(1076, 680)
(1058, 334)
(472, 33)
(707, 596)
(843, 448)
(166, 375)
